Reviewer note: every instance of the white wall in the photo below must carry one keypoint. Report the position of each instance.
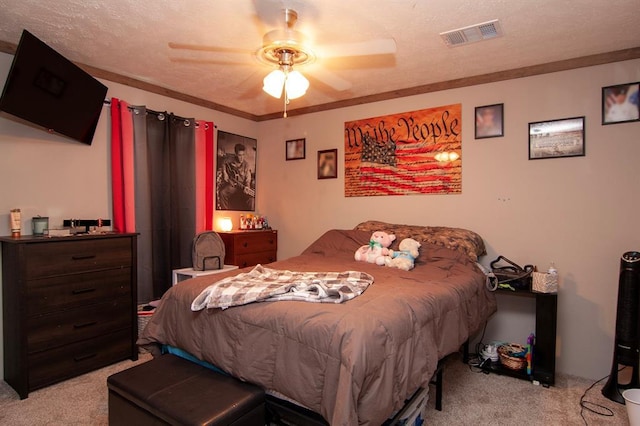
(577, 212)
(52, 176)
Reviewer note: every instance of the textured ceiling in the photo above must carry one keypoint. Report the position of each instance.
(131, 38)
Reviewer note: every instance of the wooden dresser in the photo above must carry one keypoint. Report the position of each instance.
(248, 248)
(69, 306)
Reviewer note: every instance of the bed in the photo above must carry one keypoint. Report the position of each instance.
(354, 362)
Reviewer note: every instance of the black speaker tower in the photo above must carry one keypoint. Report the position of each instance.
(627, 344)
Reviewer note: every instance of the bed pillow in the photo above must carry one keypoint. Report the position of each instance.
(338, 242)
(458, 239)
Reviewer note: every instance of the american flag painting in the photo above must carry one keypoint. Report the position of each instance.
(395, 154)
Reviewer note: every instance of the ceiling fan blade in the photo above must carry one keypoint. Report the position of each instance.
(327, 77)
(385, 46)
(199, 47)
(207, 61)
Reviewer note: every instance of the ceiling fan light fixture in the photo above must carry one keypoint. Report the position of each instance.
(273, 83)
(296, 84)
(293, 82)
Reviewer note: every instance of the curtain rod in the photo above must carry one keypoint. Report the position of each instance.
(108, 102)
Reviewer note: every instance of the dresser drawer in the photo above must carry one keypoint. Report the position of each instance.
(52, 294)
(47, 331)
(51, 366)
(250, 242)
(68, 257)
(251, 259)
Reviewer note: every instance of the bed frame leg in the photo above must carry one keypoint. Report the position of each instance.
(437, 381)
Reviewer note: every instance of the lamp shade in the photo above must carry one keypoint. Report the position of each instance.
(274, 82)
(293, 82)
(226, 224)
(296, 85)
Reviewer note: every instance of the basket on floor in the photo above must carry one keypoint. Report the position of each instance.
(143, 318)
(505, 352)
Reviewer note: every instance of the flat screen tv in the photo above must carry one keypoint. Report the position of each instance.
(46, 89)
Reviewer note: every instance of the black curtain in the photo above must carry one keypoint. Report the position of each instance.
(165, 187)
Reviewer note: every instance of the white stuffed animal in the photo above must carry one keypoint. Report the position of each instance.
(377, 249)
(404, 258)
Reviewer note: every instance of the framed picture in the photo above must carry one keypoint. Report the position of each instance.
(236, 172)
(620, 103)
(489, 121)
(328, 164)
(295, 149)
(556, 138)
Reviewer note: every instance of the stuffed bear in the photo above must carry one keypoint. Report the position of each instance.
(377, 249)
(403, 258)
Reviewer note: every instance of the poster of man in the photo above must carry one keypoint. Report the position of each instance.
(236, 172)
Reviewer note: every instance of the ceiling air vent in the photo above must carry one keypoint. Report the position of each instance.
(473, 33)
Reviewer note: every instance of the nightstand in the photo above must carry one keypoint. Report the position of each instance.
(186, 273)
(248, 248)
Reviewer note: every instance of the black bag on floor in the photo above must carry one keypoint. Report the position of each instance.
(208, 251)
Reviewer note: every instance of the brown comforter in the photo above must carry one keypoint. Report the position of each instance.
(354, 362)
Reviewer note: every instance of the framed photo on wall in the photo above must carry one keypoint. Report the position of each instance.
(295, 149)
(489, 121)
(328, 164)
(236, 172)
(556, 138)
(620, 103)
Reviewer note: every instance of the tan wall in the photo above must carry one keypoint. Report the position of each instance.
(577, 212)
(580, 213)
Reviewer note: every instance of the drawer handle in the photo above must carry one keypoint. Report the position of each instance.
(83, 357)
(83, 256)
(83, 290)
(270, 241)
(86, 324)
(245, 244)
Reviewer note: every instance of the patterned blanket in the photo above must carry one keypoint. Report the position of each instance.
(263, 284)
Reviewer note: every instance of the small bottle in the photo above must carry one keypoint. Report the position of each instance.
(16, 222)
(552, 269)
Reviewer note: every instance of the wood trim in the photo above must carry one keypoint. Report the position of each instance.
(528, 71)
(159, 90)
(568, 64)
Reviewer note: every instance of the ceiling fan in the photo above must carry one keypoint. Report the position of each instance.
(287, 49)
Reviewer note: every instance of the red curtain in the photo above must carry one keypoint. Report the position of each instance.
(204, 175)
(122, 182)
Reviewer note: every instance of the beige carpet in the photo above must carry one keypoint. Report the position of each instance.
(78, 401)
(470, 398)
(475, 398)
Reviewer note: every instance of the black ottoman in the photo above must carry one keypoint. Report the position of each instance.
(172, 390)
